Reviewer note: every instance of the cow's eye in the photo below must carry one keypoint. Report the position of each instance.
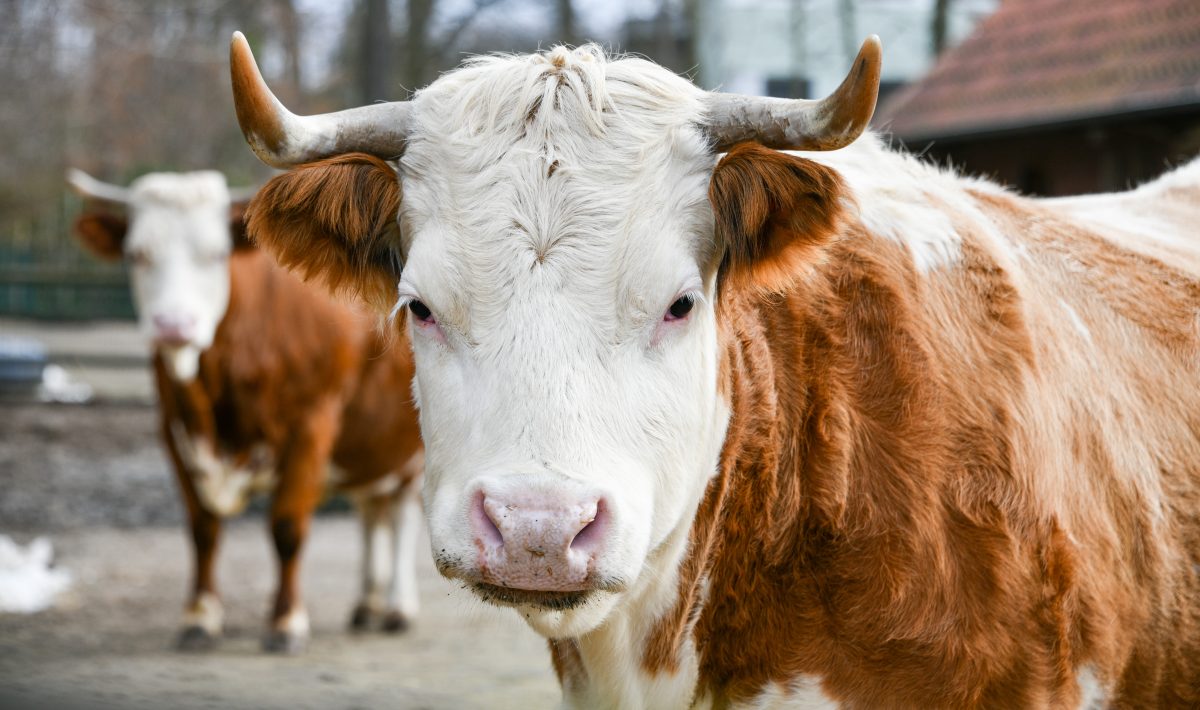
(420, 311)
(680, 308)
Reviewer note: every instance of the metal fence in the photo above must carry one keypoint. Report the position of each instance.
(46, 274)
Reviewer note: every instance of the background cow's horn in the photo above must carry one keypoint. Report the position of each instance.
(282, 139)
(800, 124)
(89, 187)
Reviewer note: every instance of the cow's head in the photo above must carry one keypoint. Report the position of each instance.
(177, 231)
(556, 235)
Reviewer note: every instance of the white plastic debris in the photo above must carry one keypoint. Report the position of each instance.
(59, 386)
(28, 580)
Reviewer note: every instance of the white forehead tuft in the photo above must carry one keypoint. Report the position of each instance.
(205, 188)
(576, 106)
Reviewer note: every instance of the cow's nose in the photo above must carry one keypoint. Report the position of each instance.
(538, 542)
(173, 328)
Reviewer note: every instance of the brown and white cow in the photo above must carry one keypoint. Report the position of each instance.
(737, 426)
(263, 381)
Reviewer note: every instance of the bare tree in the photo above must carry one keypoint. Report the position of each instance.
(565, 15)
(938, 25)
(849, 31)
(288, 24)
(375, 72)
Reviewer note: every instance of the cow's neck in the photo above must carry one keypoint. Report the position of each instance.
(191, 402)
(605, 669)
(646, 654)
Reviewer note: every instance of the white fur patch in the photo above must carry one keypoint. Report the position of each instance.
(902, 199)
(803, 693)
(224, 488)
(1092, 695)
(206, 612)
(295, 623)
(1076, 321)
(182, 363)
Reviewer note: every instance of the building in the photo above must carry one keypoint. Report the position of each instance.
(803, 48)
(1059, 97)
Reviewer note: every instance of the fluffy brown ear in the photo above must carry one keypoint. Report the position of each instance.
(774, 212)
(334, 220)
(102, 233)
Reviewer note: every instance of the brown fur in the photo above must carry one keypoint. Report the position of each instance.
(334, 220)
(926, 498)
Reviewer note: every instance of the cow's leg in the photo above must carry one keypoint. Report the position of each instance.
(302, 474)
(203, 616)
(369, 511)
(405, 527)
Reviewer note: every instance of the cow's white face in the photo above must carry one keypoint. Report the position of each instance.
(568, 395)
(178, 247)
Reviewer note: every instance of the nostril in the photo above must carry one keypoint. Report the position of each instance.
(485, 527)
(588, 539)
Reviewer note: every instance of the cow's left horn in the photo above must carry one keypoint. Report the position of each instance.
(282, 139)
(800, 124)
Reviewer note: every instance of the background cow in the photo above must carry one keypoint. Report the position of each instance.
(735, 425)
(262, 382)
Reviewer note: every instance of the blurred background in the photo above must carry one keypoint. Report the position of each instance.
(1052, 97)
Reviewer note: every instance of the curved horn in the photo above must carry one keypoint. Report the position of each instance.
(89, 187)
(800, 124)
(282, 139)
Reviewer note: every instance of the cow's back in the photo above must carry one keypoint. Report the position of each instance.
(1068, 335)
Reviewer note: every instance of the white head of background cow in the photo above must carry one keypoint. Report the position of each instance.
(547, 234)
(177, 231)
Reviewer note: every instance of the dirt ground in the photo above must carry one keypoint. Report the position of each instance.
(93, 480)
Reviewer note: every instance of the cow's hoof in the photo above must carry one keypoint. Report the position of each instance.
(284, 642)
(395, 622)
(360, 620)
(196, 638)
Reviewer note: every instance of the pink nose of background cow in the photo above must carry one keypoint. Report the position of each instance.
(538, 542)
(173, 328)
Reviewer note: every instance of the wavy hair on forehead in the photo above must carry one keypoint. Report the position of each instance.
(508, 96)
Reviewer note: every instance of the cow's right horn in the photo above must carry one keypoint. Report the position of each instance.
(90, 188)
(799, 124)
(282, 139)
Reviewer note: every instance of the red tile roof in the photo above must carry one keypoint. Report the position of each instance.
(1039, 62)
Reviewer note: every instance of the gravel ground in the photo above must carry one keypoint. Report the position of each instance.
(70, 466)
(94, 480)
